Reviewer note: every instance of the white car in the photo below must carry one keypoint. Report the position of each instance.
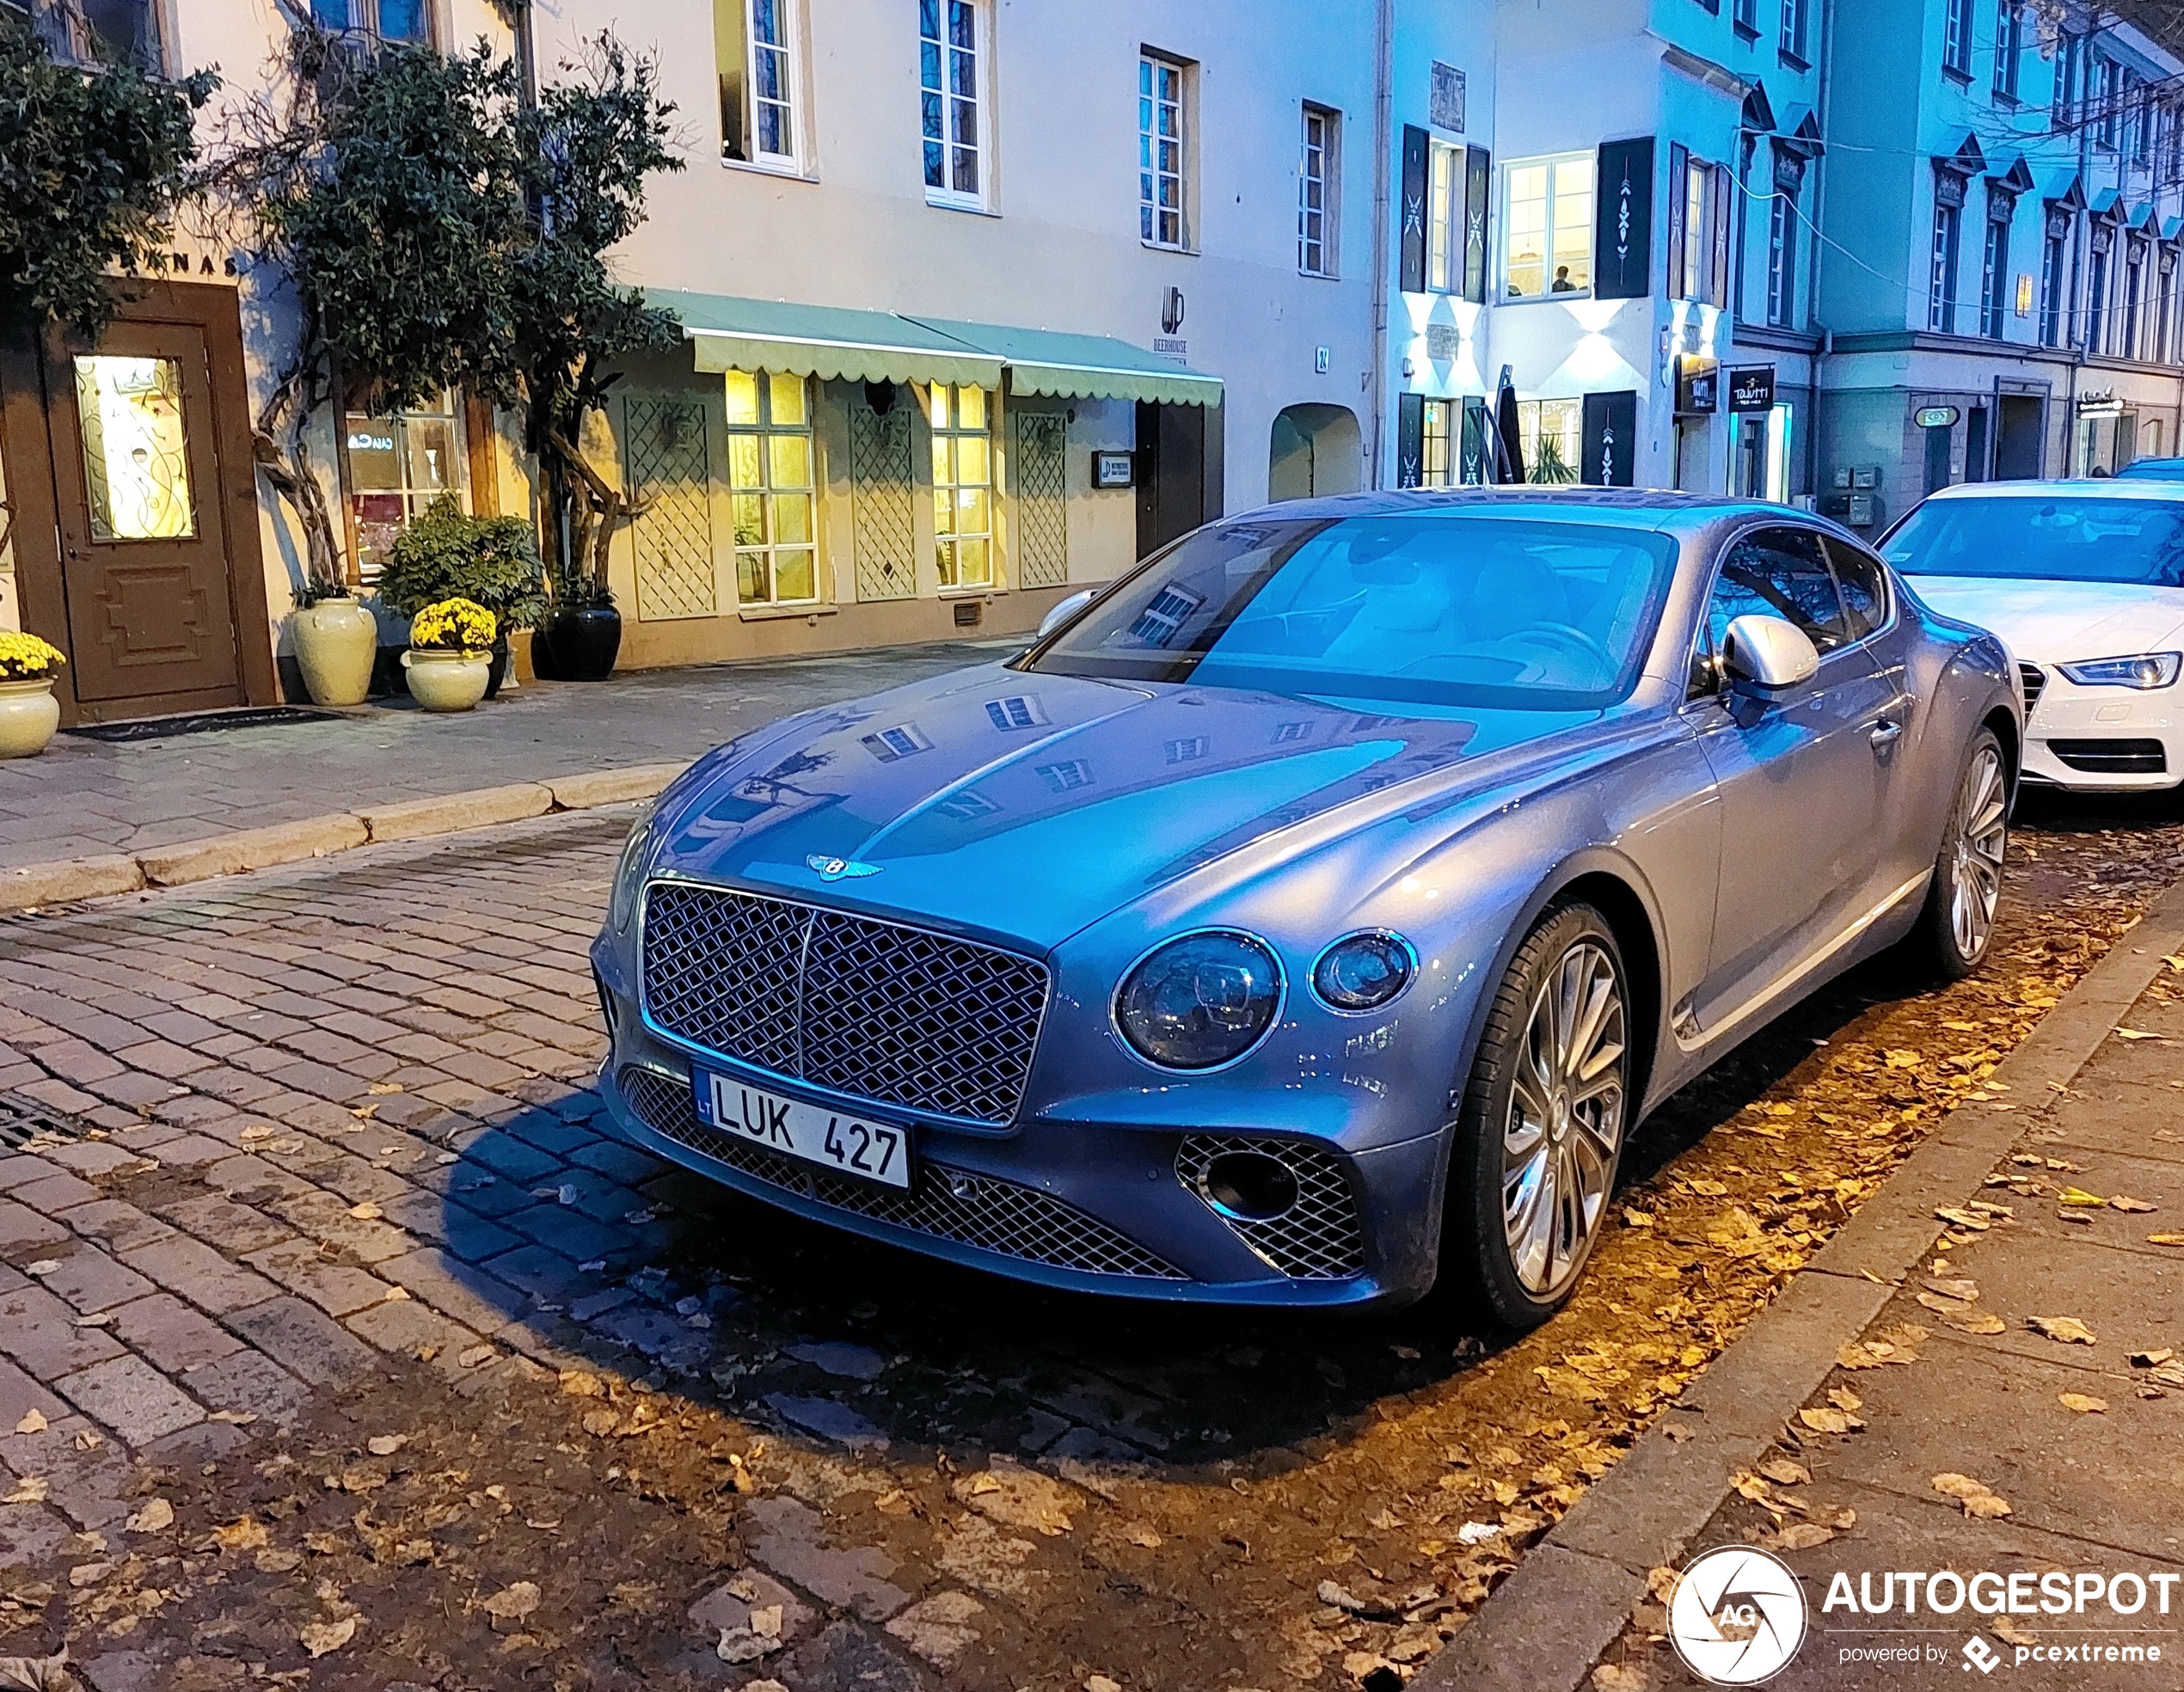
(2084, 583)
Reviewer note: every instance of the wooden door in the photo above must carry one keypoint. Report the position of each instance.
(142, 515)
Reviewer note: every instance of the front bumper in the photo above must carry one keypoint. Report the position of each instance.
(2103, 739)
(1089, 1206)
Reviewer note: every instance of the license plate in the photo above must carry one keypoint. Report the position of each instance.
(875, 1150)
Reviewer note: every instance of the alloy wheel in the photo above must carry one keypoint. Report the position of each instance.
(1565, 1123)
(1982, 834)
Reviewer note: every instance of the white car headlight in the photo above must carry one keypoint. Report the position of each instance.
(629, 873)
(2142, 671)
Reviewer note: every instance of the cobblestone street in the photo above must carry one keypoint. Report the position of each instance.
(340, 1347)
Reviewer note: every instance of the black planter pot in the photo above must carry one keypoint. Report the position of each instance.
(578, 646)
(498, 672)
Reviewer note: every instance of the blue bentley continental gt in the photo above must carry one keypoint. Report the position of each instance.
(1316, 911)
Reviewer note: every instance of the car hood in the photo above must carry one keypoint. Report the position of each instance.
(1030, 805)
(2060, 621)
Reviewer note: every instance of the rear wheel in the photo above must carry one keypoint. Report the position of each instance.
(1542, 1125)
(1957, 925)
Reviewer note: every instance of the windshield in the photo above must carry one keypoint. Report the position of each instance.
(2064, 538)
(1439, 608)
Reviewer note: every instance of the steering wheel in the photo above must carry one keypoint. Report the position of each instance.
(1575, 638)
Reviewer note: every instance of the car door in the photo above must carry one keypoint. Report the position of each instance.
(1909, 820)
(1799, 774)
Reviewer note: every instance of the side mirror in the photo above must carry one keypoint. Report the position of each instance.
(1063, 609)
(1769, 652)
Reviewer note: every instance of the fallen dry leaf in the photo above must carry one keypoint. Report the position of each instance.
(2064, 1330)
(582, 1383)
(2165, 1239)
(2135, 1035)
(2132, 1206)
(1976, 1321)
(247, 1533)
(1844, 1399)
(1786, 1472)
(366, 1212)
(1962, 1218)
(1828, 1421)
(1975, 1495)
(1618, 1678)
(513, 1604)
(319, 1637)
(2083, 1403)
(1803, 1536)
(33, 1422)
(37, 1674)
(2149, 1360)
(2078, 1195)
(277, 1562)
(30, 1489)
(386, 1445)
(1964, 1291)
(156, 1516)
(2009, 1633)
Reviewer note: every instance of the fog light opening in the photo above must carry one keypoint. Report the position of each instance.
(1249, 1185)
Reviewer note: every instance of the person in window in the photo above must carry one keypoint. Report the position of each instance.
(1562, 283)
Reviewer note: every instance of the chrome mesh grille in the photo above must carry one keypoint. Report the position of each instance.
(1318, 1239)
(897, 1015)
(2036, 679)
(993, 1214)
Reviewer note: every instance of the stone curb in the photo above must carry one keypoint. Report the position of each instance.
(1569, 1599)
(36, 885)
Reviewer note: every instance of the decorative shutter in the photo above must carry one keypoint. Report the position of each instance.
(1679, 168)
(1622, 226)
(1474, 472)
(1410, 438)
(1478, 196)
(1721, 199)
(1611, 439)
(667, 473)
(1039, 479)
(1417, 178)
(883, 530)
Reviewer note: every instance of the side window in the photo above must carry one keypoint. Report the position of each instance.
(1864, 585)
(1777, 572)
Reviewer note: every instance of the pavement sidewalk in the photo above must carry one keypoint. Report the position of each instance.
(1917, 1360)
(87, 799)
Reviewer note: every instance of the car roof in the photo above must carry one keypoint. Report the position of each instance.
(1657, 508)
(2086, 487)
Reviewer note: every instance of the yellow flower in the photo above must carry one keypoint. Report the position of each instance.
(453, 625)
(25, 657)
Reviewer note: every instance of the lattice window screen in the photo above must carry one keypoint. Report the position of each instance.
(667, 471)
(1041, 485)
(883, 530)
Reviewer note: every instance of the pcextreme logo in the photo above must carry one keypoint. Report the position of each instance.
(1737, 1615)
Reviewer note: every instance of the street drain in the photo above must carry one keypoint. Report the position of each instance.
(23, 1118)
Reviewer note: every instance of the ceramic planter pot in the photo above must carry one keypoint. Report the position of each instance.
(335, 642)
(578, 646)
(447, 681)
(29, 715)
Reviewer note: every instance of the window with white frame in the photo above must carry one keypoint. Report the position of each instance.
(2009, 47)
(394, 465)
(1547, 228)
(2052, 264)
(2104, 79)
(1161, 213)
(1318, 183)
(771, 488)
(1994, 275)
(1795, 18)
(2134, 295)
(951, 60)
(1940, 299)
(755, 53)
(962, 429)
(1956, 38)
(1745, 17)
(385, 19)
(1444, 219)
(1436, 456)
(1781, 258)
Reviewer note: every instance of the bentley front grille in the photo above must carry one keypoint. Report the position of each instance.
(880, 1011)
(972, 1209)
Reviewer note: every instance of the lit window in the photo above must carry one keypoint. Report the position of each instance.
(1549, 224)
(1551, 434)
(388, 20)
(397, 465)
(962, 484)
(756, 61)
(948, 50)
(136, 457)
(1160, 151)
(1317, 180)
(1434, 467)
(1444, 218)
(769, 488)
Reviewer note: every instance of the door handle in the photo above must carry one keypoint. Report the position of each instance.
(1886, 734)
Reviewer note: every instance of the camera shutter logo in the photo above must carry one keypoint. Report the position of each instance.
(1737, 1615)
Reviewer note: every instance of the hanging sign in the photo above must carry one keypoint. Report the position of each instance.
(1937, 417)
(1752, 388)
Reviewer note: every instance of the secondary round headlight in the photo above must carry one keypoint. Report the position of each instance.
(1364, 971)
(629, 873)
(1199, 1001)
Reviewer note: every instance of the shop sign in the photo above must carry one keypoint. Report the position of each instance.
(1111, 469)
(1937, 417)
(1752, 388)
(1698, 384)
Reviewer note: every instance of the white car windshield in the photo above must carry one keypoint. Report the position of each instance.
(2063, 537)
(1439, 608)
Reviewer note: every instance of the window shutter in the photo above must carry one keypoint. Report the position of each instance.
(1478, 195)
(1623, 228)
(1679, 166)
(1720, 199)
(1475, 443)
(1410, 438)
(1417, 175)
(1609, 439)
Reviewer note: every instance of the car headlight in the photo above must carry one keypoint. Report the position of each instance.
(1199, 1001)
(629, 873)
(2144, 671)
(1364, 971)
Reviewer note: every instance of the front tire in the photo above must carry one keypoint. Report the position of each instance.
(1542, 1125)
(1956, 926)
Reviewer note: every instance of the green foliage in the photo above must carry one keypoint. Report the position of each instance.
(1548, 465)
(447, 554)
(92, 165)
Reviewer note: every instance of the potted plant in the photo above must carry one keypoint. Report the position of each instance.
(581, 636)
(336, 640)
(491, 561)
(28, 711)
(450, 654)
